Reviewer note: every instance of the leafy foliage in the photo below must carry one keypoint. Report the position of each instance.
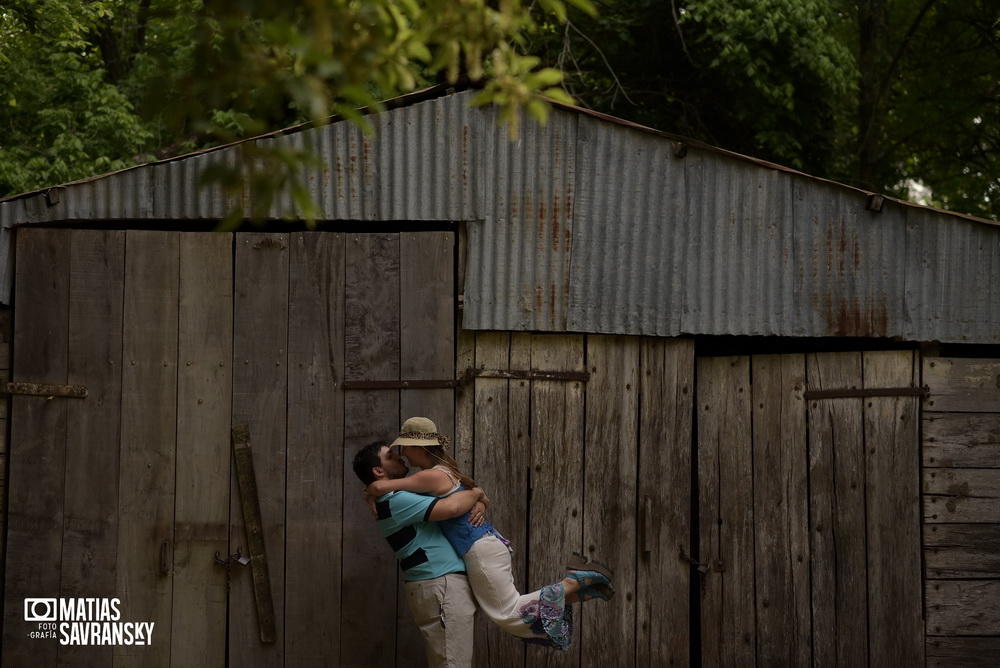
(881, 94)
(61, 119)
(93, 85)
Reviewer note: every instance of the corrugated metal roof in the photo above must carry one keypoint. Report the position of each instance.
(592, 224)
(703, 242)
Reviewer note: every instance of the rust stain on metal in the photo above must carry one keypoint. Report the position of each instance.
(842, 250)
(555, 223)
(465, 157)
(552, 304)
(367, 167)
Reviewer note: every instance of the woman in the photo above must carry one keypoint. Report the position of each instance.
(543, 616)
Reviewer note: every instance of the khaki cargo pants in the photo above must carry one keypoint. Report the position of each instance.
(443, 609)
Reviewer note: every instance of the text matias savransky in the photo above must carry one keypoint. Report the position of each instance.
(85, 621)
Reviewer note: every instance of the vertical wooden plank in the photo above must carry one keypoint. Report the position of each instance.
(465, 357)
(38, 441)
(371, 339)
(893, 513)
(610, 464)
(427, 324)
(781, 521)
(6, 336)
(260, 322)
(555, 525)
(148, 435)
(514, 515)
(665, 431)
(501, 470)
(315, 456)
(90, 537)
(725, 503)
(204, 405)
(465, 400)
(427, 352)
(836, 504)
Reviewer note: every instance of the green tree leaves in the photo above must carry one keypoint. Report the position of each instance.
(61, 119)
(879, 94)
(91, 84)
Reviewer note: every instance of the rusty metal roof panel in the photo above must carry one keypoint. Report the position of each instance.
(952, 285)
(661, 239)
(418, 165)
(518, 273)
(591, 225)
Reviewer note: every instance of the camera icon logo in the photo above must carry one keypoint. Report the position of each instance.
(41, 610)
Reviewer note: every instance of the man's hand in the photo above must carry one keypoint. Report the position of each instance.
(456, 504)
(478, 514)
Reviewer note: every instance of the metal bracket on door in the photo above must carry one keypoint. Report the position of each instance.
(47, 390)
(924, 391)
(469, 375)
(255, 532)
(526, 374)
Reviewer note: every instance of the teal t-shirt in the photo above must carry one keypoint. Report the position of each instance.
(421, 548)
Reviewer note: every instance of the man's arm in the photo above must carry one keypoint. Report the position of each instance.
(455, 504)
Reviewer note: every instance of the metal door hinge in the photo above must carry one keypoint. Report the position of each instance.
(45, 390)
(526, 374)
(924, 391)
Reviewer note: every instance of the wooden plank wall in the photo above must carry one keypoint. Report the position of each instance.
(961, 485)
(811, 540)
(806, 514)
(178, 336)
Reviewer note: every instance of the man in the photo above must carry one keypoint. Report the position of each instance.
(437, 589)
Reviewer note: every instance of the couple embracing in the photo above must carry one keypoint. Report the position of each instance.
(452, 559)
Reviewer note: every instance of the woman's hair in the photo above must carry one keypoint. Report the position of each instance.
(439, 454)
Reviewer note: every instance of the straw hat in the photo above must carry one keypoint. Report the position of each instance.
(420, 431)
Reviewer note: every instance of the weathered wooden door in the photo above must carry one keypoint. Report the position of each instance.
(809, 510)
(601, 466)
(129, 493)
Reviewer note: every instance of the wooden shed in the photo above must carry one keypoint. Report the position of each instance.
(772, 402)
